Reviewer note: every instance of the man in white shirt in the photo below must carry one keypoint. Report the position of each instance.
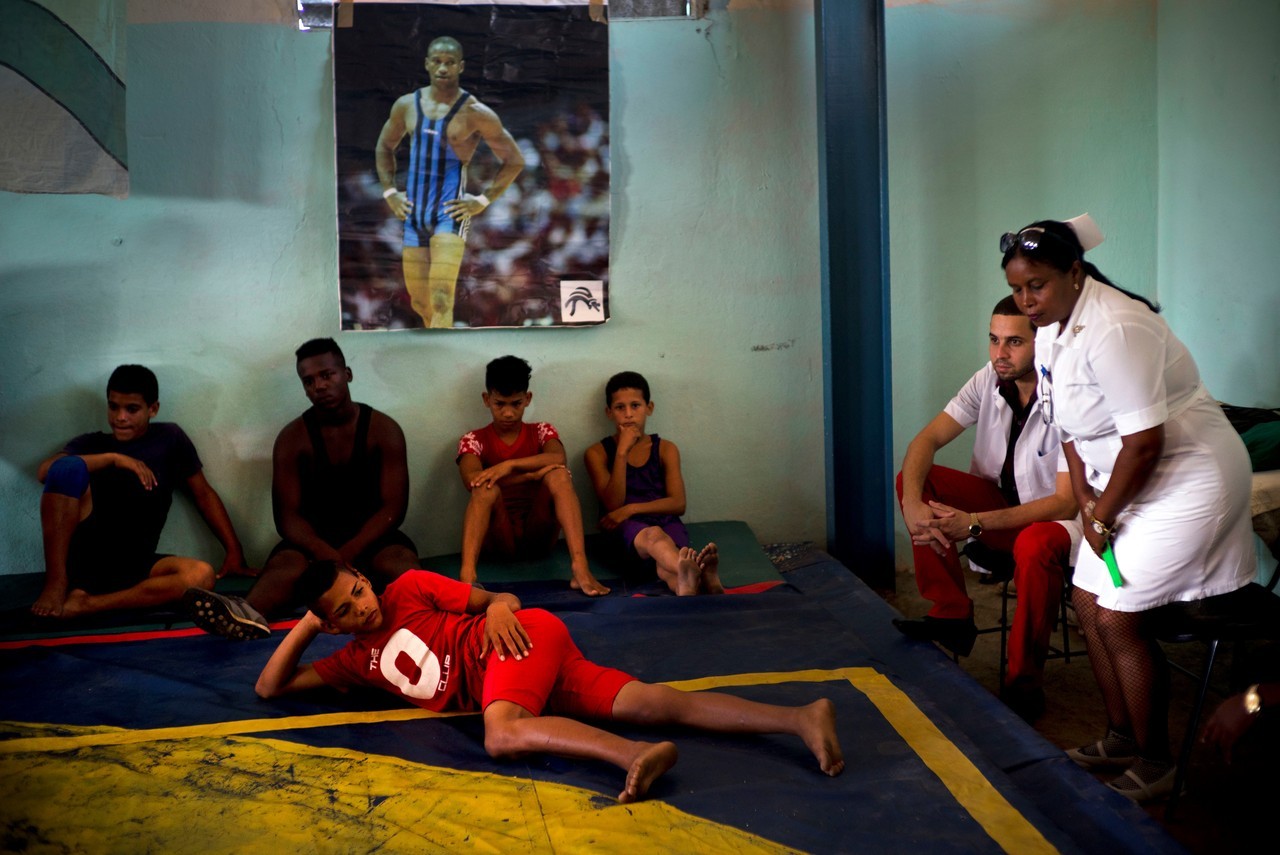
(1016, 498)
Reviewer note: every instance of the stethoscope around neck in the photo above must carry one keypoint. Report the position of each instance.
(1044, 397)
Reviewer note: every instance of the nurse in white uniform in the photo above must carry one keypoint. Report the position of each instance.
(1160, 475)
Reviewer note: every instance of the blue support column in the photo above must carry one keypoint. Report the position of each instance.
(855, 285)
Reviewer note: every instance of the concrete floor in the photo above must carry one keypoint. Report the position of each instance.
(1224, 808)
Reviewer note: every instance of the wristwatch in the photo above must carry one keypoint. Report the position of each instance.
(1102, 528)
(975, 527)
(1253, 700)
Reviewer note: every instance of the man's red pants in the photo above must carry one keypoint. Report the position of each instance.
(1041, 552)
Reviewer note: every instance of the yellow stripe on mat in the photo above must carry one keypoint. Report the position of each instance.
(1004, 823)
(1001, 820)
(221, 728)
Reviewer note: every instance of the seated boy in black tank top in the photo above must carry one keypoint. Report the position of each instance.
(339, 491)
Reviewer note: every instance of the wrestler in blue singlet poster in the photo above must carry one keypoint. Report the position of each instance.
(473, 165)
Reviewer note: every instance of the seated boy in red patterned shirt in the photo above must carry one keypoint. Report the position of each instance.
(444, 645)
(521, 492)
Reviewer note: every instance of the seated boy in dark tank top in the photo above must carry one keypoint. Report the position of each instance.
(641, 490)
(339, 491)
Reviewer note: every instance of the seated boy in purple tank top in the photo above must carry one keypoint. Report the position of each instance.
(637, 479)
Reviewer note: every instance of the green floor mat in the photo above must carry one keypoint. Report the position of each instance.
(742, 561)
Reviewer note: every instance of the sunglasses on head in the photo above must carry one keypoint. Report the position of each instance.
(1030, 239)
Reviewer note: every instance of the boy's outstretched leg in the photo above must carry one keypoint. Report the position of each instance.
(568, 513)
(511, 731)
(676, 566)
(709, 563)
(656, 705)
(688, 574)
(169, 579)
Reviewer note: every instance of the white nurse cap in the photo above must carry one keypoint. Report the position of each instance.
(1087, 231)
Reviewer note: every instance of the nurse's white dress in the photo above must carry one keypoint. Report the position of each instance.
(1117, 369)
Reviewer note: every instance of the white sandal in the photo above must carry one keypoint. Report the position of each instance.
(1099, 756)
(1133, 787)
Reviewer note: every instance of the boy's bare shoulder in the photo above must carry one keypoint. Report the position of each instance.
(292, 434)
(381, 424)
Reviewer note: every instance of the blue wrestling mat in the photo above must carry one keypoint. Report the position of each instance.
(742, 563)
(161, 745)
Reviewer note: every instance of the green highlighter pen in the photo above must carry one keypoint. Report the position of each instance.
(1109, 556)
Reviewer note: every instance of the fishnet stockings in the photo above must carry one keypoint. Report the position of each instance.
(1132, 673)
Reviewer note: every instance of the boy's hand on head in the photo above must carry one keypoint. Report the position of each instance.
(145, 476)
(311, 621)
(504, 634)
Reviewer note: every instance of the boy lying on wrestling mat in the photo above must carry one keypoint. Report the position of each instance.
(445, 645)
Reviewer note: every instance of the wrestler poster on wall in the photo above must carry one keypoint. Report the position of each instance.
(473, 165)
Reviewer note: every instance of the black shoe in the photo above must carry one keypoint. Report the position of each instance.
(229, 617)
(1026, 701)
(955, 634)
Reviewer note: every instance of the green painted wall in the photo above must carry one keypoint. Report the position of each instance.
(1219, 251)
(1161, 119)
(223, 260)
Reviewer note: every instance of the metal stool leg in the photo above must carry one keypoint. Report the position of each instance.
(1066, 630)
(1004, 631)
(1193, 724)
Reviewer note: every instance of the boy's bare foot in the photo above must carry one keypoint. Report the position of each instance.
(647, 766)
(51, 600)
(818, 730)
(709, 564)
(688, 574)
(585, 582)
(77, 604)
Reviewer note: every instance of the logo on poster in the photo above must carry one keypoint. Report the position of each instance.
(581, 302)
